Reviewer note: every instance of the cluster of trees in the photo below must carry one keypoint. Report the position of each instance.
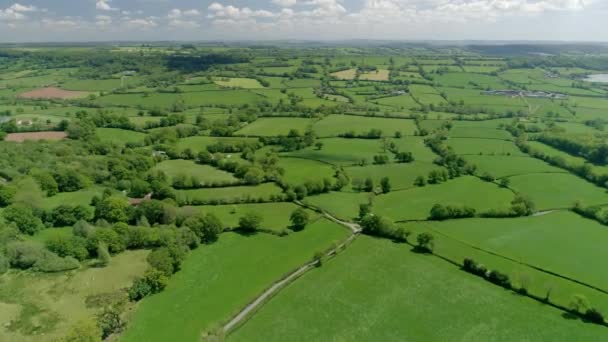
(596, 153)
(495, 277)
(596, 213)
(456, 165)
(293, 141)
(371, 134)
(440, 212)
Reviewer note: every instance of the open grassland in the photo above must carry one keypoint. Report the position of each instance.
(344, 205)
(334, 125)
(203, 173)
(40, 307)
(299, 171)
(246, 83)
(275, 215)
(218, 280)
(415, 204)
(348, 74)
(558, 190)
(199, 143)
(367, 293)
(230, 194)
(82, 197)
(344, 152)
(275, 126)
(521, 238)
(403, 102)
(401, 176)
(505, 166)
(120, 136)
(476, 146)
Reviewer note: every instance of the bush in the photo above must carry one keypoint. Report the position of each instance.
(73, 246)
(440, 212)
(53, 263)
(103, 256)
(594, 316)
(206, 227)
(24, 254)
(250, 222)
(109, 321)
(24, 218)
(426, 242)
(162, 260)
(500, 279)
(65, 215)
(154, 281)
(6, 196)
(4, 264)
(473, 267)
(107, 236)
(299, 219)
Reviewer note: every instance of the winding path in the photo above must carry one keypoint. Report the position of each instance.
(279, 285)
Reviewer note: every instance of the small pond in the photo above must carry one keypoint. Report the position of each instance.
(600, 78)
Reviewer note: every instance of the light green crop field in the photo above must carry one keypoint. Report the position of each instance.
(198, 144)
(299, 171)
(519, 239)
(344, 205)
(120, 136)
(400, 102)
(376, 284)
(401, 176)
(416, 204)
(505, 166)
(344, 152)
(558, 190)
(203, 173)
(235, 193)
(275, 126)
(83, 197)
(246, 83)
(276, 216)
(477, 132)
(416, 146)
(218, 280)
(334, 125)
(476, 146)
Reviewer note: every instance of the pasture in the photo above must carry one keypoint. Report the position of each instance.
(217, 280)
(335, 125)
(375, 284)
(416, 204)
(204, 174)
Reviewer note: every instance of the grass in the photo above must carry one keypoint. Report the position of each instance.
(276, 215)
(559, 231)
(401, 176)
(344, 205)
(218, 280)
(44, 306)
(334, 125)
(299, 171)
(83, 197)
(235, 193)
(119, 136)
(246, 83)
(476, 146)
(199, 143)
(344, 152)
(558, 190)
(415, 204)
(203, 173)
(503, 166)
(275, 126)
(380, 291)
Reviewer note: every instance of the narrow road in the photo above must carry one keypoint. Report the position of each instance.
(279, 285)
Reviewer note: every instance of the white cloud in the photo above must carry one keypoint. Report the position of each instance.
(104, 5)
(141, 23)
(183, 24)
(285, 3)
(15, 12)
(177, 13)
(236, 13)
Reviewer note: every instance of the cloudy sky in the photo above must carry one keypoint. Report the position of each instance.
(88, 20)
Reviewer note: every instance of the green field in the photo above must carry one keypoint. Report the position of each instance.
(246, 83)
(344, 152)
(275, 215)
(334, 125)
(376, 284)
(559, 232)
(119, 136)
(203, 173)
(275, 126)
(217, 280)
(230, 194)
(415, 204)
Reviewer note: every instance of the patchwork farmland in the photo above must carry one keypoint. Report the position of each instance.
(241, 193)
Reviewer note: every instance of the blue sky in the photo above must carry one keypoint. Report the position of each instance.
(91, 20)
